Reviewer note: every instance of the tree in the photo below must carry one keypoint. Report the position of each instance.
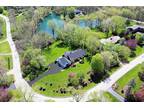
(71, 15)
(1, 10)
(33, 63)
(41, 40)
(53, 27)
(93, 45)
(73, 80)
(97, 63)
(114, 24)
(123, 52)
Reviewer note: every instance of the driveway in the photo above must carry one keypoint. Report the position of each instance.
(53, 68)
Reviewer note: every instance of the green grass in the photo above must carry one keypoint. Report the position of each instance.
(55, 51)
(122, 82)
(139, 50)
(110, 97)
(4, 62)
(59, 80)
(4, 47)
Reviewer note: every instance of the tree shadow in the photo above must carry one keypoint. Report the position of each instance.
(99, 76)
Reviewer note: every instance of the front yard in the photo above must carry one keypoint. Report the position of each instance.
(59, 80)
(132, 74)
(110, 97)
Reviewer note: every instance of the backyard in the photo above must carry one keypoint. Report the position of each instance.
(54, 51)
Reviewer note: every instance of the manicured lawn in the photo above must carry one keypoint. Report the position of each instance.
(4, 47)
(59, 80)
(110, 97)
(132, 74)
(139, 50)
(55, 51)
(5, 60)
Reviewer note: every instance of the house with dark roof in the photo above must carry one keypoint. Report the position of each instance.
(135, 29)
(70, 57)
(75, 55)
(63, 62)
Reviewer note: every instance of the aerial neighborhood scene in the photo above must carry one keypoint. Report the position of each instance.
(71, 54)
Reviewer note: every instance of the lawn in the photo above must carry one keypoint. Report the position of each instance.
(59, 80)
(139, 50)
(110, 97)
(132, 74)
(4, 47)
(6, 62)
(54, 51)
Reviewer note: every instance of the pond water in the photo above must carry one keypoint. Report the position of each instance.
(45, 27)
(44, 24)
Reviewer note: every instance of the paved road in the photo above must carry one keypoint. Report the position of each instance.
(115, 94)
(21, 83)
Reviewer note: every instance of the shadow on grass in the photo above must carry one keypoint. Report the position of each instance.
(99, 76)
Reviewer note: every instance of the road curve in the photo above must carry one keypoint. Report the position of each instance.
(21, 83)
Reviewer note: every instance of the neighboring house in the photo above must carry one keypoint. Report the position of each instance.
(75, 55)
(112, 39)
(139, 95)
(78, 12)
(63, 62)
(135, 29)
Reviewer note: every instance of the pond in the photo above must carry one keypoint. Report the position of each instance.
(45, 27)
(44, 24)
